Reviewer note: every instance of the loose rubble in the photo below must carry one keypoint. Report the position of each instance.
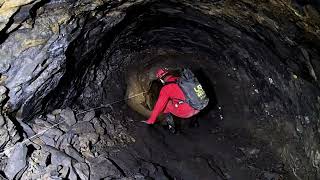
(70, 151)
(62, 146)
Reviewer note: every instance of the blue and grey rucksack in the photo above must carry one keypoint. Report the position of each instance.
(192, 89)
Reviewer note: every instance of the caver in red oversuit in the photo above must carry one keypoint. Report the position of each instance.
(171, 100)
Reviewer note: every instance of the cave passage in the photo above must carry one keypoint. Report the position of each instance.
(248, 72)
(259, 69)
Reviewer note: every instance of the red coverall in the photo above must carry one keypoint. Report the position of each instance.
(168, 102)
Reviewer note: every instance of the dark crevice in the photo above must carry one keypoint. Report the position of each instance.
(31, 149)
(34, 9)
(48, 160)
(18, 126)
(3, 33)
(166, 173)
(3, 175)
(32, 12)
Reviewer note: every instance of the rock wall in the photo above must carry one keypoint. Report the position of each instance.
(261, 57)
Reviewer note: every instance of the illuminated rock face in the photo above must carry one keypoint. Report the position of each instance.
(259, 63)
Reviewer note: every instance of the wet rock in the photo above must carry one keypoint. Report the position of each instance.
(89, 116)
(26, 128)
(51, 172)
(68, 116)
(40, 157)
(110, 127)
(48, 140)
(82, 169)
(64, 172)
(64, 127)
(51, 117)
(64, 141)
(17, 160)
(3, 94)
(8, 133)
(58, 157)
(4, 134)
(43, 123)
(72, 174)
(83, 127)
(76, 143)
(103, 168)
(91, 137)
(56, 112)
(85, 147)
(98, 126)
(2, 121)
(74, 153)
(53, 133)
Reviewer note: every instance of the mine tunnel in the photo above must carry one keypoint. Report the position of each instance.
(78, 77)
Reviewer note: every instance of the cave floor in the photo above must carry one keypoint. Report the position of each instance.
(113, 143)
(220, 148)
(206, 152)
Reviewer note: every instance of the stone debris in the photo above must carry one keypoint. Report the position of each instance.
(82, 127)
(74, 154)
(83, 171)
(89, 116)
(3, 93)
(68, 116)
(13, 154)
(71, 153)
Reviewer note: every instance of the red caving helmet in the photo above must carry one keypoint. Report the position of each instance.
(161, 72)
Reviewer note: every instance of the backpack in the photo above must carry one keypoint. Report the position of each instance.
(192, 89)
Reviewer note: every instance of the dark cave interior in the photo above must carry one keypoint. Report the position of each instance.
(261, 78)
(249, 70)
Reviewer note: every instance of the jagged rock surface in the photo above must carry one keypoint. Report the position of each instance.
(261, 58)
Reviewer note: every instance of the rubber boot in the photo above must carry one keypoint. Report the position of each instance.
(170, 122)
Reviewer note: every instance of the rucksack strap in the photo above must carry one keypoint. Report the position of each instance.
(170, 82)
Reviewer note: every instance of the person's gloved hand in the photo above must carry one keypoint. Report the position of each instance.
(146, 122)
